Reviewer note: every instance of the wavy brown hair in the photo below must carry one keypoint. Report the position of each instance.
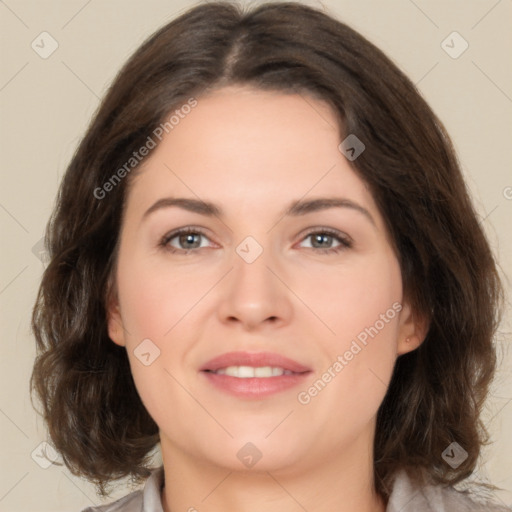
(95, 417)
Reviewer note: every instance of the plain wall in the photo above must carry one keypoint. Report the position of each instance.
(46, 105)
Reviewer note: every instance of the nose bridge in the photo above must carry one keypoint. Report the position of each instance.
(253, 294)
(251, 272)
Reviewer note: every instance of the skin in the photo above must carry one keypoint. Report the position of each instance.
(252, 153)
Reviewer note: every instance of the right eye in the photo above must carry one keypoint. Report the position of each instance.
(183, 240)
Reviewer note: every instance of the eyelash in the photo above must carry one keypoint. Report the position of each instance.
(344, 241)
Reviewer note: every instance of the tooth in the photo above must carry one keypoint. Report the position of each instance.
(245, 372)
(248, 372)
(232, 371)
(263, 371)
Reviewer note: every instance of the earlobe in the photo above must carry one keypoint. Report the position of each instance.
(412, 332)
(408, 344)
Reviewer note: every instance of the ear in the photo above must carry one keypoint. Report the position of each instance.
(114, 319)
(412, 330)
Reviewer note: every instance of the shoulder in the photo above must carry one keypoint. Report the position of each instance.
(145, 500)
(408, 497)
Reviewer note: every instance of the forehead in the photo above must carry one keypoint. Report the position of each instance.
(260, 147)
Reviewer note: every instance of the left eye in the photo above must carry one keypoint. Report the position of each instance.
(323, 240)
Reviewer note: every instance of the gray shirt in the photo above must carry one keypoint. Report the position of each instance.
(405, 497)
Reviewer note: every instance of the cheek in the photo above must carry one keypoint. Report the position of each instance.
(353, 297)
(155, 297)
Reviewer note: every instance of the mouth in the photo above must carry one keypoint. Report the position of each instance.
(248, 372)
(254, 375)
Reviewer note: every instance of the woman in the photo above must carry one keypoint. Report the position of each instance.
(264, 258)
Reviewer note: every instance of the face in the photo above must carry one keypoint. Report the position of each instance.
(283, 261)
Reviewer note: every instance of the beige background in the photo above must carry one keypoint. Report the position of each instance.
(46, 104)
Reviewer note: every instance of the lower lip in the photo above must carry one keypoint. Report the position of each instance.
(255, 387)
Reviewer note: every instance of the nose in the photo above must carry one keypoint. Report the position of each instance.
(254, 295)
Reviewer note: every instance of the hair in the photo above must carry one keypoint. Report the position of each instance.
(95, 417)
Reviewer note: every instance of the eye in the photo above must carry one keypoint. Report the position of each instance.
(184, 240)
(322, 240)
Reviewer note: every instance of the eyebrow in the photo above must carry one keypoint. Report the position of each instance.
(294, 209)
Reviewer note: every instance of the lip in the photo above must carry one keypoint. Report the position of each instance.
(254, 359)
(254, 387)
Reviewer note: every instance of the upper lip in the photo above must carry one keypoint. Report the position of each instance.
(254, 359)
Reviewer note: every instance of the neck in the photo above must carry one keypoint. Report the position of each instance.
(343, 484)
